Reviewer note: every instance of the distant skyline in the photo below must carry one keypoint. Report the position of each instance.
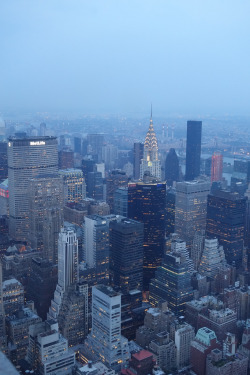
(116, 57)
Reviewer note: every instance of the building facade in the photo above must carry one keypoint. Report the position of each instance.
(193, 150)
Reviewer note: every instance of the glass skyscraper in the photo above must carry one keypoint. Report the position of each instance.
(193, 151)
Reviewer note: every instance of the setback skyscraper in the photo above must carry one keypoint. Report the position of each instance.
(171, 167)
(193, 151)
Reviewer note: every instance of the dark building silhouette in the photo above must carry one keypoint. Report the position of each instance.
(193, 151)
(171, 167)
(65, 159)
(146, 203)
(78, 145)
(170, 211)
(95, 143)
(3, 161)
(172, 283)
(225, 220)
(126, 254)
(138, 155)
(42, 284)
(94, 185)
(208, 166)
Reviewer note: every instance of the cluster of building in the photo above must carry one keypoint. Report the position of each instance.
(140, 270)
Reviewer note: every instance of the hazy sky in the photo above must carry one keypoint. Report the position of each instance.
(118, 56)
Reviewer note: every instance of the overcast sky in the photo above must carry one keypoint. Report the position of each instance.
(118, 56)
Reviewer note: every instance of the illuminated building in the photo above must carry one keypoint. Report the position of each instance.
(3, 341)
(68, 272)
(45, 214)
(212, 258)
(18, 329)
(170, 211)
(48, 351)
(172, 167)
(105, 342)
(146, 204)
(137, 157)
(74, 185)
(172, 283)
(96, 245)
(216, 167)
(126, 254)
(13, 296)
(193, 150)
(27, 157)
(225, 221)
(191, 208)
(115, 180)
(150, 162)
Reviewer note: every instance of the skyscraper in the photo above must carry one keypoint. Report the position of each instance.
(105, 342)
(146, 203)
(171, 167)
(2, 315)
(3, 161)
(27, 157)
(191, 208)
(138, 155)
(172, 283)
(212, 258)
(115, 180)
(74, 185)
(126, 254)
(225, 220)
(193, 151)
(217, 166)
(45, 195)
(150, 162)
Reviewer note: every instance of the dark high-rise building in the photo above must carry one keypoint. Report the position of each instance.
(66, 159)
(170, 211)
(193, 151)
(78, 145)
(115, 180)
(121, 201)
(146, 203)
(3, 161)
(208, 166)
(171, 167)
(138, 155)
(172, 283)
(95, 143)
(95, 186)
(225, 220)
(126, 254)
(27, 157)
(88, 165)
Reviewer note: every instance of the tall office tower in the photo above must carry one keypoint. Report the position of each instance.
(217, 166)
(95, 143)
(68, 272)
(105, 342)
(41, 285)
(193, 150)
(205, 341)
(146, 204)
(121, 201)
(45, 198)
(74, 185)
(208, 166)
(66, 158)
(179, 246)
(3, 341)
(48, 351)
(172, 283)
(126, 254)
(225, 220)
(3, 161)
(170, 211)
(27, 157)
(247, 224)
(172, 170)
(110, 156)
(138, 156)
(42, 129)
(197, 248)
(88, 165)
(191, 208)
(96, 246)
(150, 162)
(115, 180)
(95, 187)
(73, 315)
(212, 258)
